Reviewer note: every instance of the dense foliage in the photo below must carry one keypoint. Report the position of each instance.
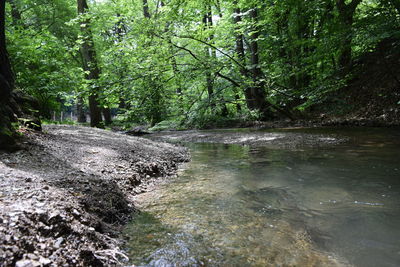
(191, 62)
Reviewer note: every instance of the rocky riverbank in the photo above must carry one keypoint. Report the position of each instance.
(65, 195)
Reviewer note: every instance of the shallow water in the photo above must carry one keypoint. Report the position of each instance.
(239, 205)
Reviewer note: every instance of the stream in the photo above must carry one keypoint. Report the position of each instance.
(278, 202)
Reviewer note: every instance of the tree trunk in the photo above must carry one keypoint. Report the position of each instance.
(95, 111)
(6, 86)
(122, 103)
(90, 65)
(346, 17)
(241, 56)
(239, 40)
(80, 110)
(257, 90)
(174, 63)
(6, 74)
(237, 18)
(107, 116)
(120, 31)
(207, 23)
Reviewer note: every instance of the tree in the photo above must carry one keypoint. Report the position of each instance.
(258, 86)
(6, 87)
(255, 90)
(209, 54)
(346, 18)
(90, 64)
(192, 62)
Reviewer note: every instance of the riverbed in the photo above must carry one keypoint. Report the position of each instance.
(288, 197)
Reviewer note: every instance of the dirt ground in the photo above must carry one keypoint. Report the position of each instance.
(65, 195)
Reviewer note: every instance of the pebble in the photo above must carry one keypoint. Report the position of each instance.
(44, 261)
(27, 263)
(58, 242)
(75, 212)
(31, 256)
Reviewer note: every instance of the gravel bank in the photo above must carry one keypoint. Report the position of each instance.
(65, 195)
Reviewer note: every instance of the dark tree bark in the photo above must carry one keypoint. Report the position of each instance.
(122, 103)
(346, 17)
(80, 110)
(6, 87)
(90, 65)
(255, 94)
(107, 116)
(7, 76)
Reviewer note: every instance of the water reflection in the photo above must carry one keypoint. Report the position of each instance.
(237, 205)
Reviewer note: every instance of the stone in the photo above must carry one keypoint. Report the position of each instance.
(27, 263)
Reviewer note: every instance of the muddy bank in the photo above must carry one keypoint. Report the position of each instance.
(65, 194)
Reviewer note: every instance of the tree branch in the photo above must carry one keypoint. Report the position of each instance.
(214, 47)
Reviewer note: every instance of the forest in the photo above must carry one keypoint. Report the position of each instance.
(185, 64)
(284, 113)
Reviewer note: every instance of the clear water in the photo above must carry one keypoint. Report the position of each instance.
(236, 205)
